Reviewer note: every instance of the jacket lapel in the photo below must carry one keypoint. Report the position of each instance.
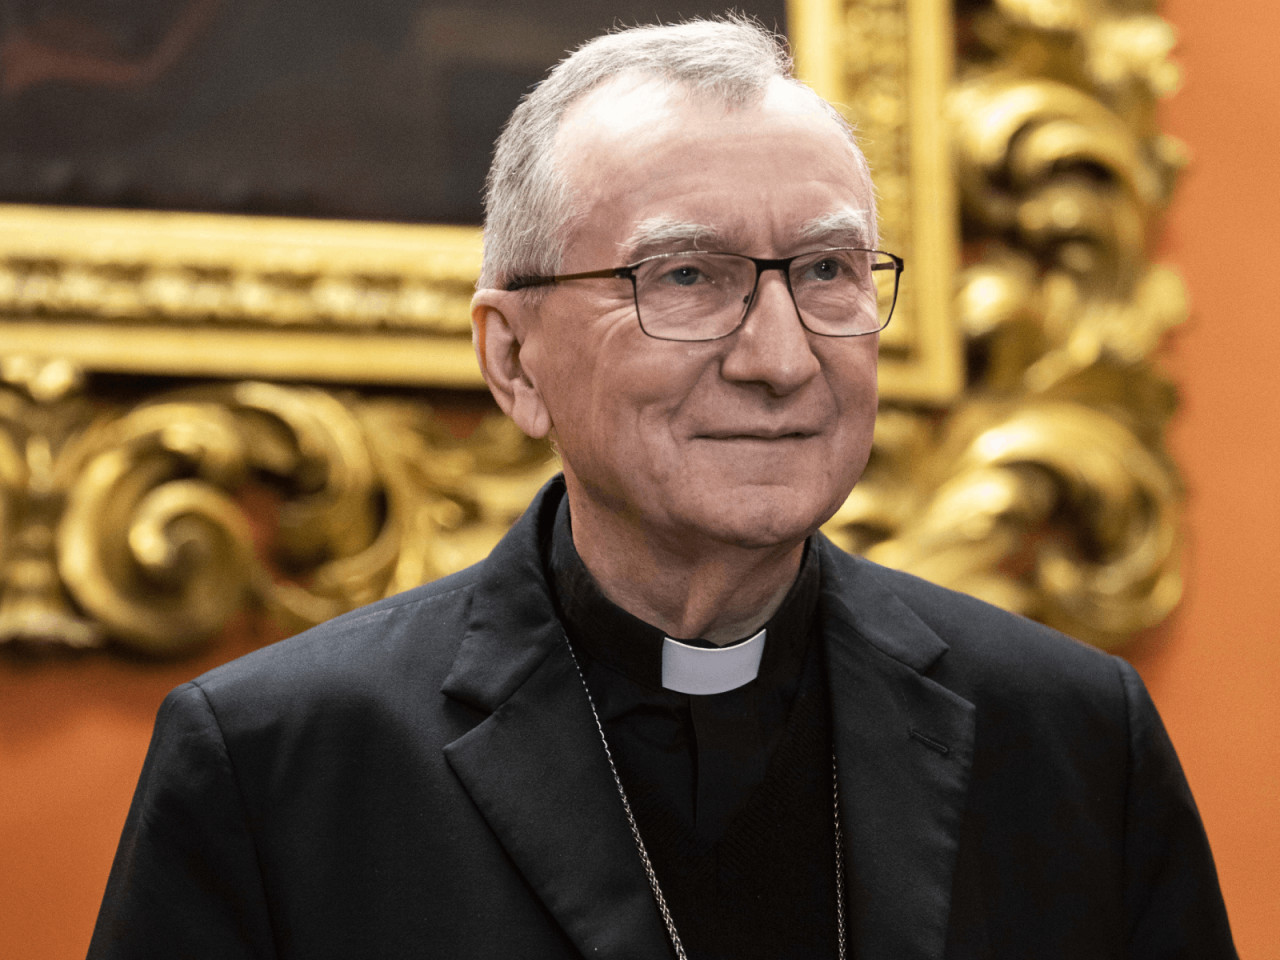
(535, 767)
(904, 746)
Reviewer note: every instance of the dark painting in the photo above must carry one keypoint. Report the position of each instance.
(372, 109)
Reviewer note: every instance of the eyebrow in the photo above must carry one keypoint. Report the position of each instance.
(663, 234)
(848, 227)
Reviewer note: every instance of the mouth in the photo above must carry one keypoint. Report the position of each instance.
(758, 435)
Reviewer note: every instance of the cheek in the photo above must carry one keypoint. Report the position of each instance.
(632, 415)
(853, 375)
(855, 389)
(595, 404)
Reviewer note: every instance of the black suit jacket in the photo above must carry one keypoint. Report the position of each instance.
(422, 778)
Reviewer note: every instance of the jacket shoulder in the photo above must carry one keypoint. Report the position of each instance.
(394, 653)
(414, 634)
(991, 653)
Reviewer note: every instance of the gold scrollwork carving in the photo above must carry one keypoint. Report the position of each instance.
(158, 542)
(42, 419)
(1046, 487)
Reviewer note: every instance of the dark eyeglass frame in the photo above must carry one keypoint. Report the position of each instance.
(783, 264)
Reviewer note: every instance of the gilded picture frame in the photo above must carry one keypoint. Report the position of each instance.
(161, 370)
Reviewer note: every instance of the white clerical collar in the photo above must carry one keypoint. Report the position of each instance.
(704, 670)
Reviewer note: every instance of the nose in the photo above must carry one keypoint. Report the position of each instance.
(772, 346)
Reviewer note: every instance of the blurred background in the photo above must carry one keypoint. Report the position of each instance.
(288, 133)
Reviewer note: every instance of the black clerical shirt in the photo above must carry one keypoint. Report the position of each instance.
(732, 791)
(706, 753)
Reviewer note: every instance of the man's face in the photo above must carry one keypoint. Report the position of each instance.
(754, 439)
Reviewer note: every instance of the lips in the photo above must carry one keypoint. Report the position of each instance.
(755, 433)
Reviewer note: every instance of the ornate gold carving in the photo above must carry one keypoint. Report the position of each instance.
(42, 419)
(1033, 473)
(203, 295)
(154, 541)
(886, 64)
(1046, 487)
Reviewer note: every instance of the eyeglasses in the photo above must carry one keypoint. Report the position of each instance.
(841, 292)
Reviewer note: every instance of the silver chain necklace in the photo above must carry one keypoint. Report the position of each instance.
(672, 934)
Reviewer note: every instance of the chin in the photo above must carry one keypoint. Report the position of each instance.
(764, 519)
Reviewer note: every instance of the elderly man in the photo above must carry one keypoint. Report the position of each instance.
(665, 716)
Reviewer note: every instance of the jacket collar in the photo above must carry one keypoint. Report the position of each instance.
(536, 769)
(512, 623)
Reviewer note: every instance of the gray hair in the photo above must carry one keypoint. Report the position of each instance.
(528, 202)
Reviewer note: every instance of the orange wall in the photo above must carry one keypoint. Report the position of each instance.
(1214, 671)
(73, 731)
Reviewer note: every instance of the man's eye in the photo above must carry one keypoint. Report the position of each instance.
(828, 269)
(684, 276)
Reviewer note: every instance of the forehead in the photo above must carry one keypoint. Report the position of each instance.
(636, 150)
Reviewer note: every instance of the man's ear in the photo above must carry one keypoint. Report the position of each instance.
(502, 322)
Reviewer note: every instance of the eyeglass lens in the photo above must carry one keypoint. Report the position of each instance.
(703, 296)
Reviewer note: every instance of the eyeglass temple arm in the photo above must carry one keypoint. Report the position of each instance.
(519, 283)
